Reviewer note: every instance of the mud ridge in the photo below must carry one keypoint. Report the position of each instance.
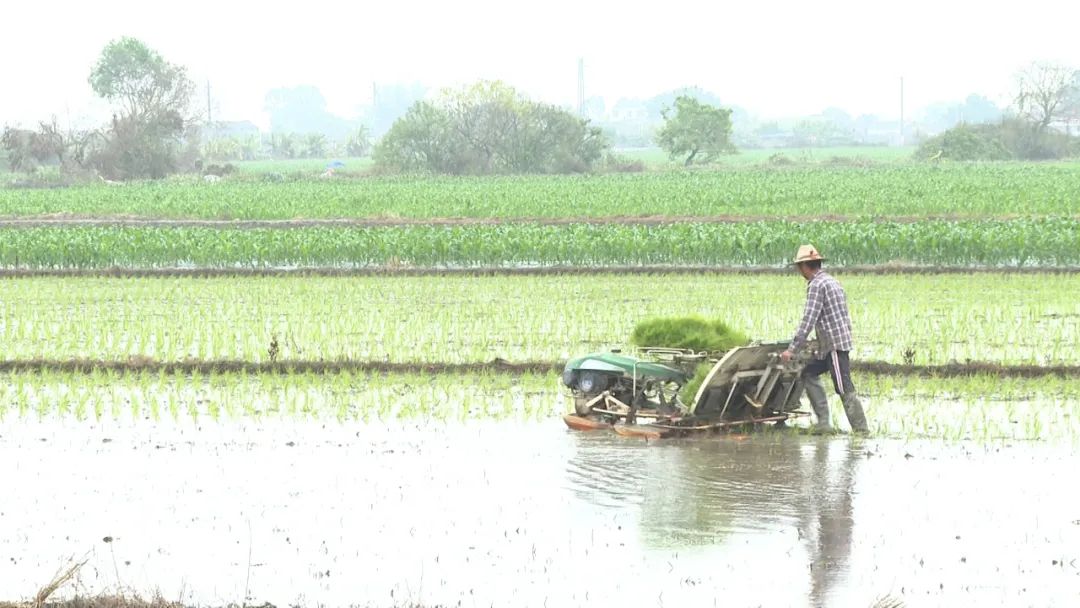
(502, 366)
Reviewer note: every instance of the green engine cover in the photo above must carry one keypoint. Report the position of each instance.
(615, 362)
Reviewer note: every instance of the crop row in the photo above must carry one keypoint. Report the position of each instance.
(972, 408)
(922, 319)
(993, 243)
(880, 191)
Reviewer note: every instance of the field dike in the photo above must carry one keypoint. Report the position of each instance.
(499, 366)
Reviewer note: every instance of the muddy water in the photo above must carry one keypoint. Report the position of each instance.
(515, 514)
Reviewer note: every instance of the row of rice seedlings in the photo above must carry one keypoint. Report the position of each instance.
(979, 408)
(963, 388)
(346, 397)
(979, 419)
(909, 190)
(901, 319)
(1040, 242)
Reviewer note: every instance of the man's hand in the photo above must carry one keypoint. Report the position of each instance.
(786, 356)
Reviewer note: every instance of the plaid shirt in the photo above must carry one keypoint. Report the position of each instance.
(827, 313)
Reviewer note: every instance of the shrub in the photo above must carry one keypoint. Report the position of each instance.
(1007, 140)
(965, 143)
(617, 163)
(781, 160)
(489, 128)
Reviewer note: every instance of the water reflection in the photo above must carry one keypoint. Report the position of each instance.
(826, 516)
(705, 492)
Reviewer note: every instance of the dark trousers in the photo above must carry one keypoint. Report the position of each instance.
(839, 367)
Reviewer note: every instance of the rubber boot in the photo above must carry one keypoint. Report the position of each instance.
(819, 401)
(855, 415)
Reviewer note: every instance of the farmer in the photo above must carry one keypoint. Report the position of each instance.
(827, 313)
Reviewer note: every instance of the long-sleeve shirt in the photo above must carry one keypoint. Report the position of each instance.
(827, 314)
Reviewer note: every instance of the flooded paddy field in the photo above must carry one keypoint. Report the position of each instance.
(527, 513)
(330, 491)
(347, 485)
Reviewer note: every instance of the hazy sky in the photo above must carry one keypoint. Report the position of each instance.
(774, 58)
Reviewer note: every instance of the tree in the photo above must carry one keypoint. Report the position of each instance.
(488, 116)
(283, 145)
(657, 105)
(359, 143)
(139, 79)
(303, 109)
(422, 140)
(700, 131)
(222, 149)
(490, 128)
(27, 150)
(979, 109)
(976, 109)
(1047, 92)
(153, 99)
(17, 145)
(315, 145)
(389, 103)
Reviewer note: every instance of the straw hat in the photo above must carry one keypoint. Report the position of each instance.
(807, 253)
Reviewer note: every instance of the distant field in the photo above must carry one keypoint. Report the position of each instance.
(654, 158)
(1031, 243)
(888, 190)
(657, 157)
(301, 165)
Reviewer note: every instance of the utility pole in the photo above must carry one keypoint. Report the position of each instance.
(209, 109)
(901, 111)
(581, 87)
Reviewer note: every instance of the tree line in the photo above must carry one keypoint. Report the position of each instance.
(1046, 105)
(486, 128)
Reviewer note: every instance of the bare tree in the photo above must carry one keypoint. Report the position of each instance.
(1047, 92)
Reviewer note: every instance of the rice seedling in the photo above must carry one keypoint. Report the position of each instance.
(691, 332)
(1030, 319)
(912, 408)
